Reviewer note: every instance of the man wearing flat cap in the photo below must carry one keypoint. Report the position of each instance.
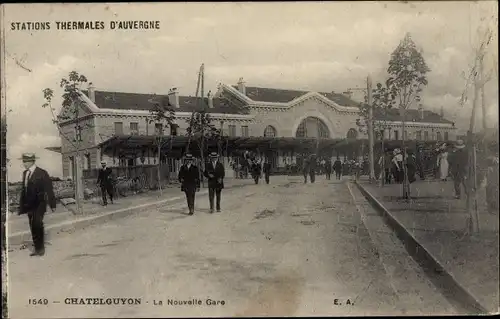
(189, 177)
(214, 171)
(104, 181)
(459, 164)
(37, 192)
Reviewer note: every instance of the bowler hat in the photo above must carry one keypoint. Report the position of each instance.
(188, 156)
(213, 155)
(28, 157)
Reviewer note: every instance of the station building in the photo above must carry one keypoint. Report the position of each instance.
(116, 126)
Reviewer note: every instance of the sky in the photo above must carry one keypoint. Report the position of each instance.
(317, 46)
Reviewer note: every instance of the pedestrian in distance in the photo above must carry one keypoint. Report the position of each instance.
(459, 167)
(256, 171)
(337, 167)
(397, 166)
(214, 172)
(189, 177)
(36, 194)
(105, 182)
(328, 169)
(305, 169)
(312, 167)
(442, 162)
(267, 170)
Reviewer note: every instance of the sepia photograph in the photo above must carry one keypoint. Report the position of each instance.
(249, 159)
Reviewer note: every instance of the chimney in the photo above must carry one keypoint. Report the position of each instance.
(173, 97)
(421, 111)
(91, 92)
(210, 100)
(347, 94)
(241, 87)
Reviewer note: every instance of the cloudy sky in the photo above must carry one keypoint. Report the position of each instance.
(310, 46)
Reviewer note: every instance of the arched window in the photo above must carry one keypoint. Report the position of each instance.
(312, 127)
(270, 131)
(352, 133)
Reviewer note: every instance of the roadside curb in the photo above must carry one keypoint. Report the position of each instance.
(443, 279)
(96, 219)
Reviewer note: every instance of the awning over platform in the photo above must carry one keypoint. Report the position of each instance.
(57, 149)
(176, 144)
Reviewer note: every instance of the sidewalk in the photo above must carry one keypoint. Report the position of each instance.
(18, 224)
(437, 222)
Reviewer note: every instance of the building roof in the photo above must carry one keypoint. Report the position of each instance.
(140, 101)
(283, 96)
(412, 115)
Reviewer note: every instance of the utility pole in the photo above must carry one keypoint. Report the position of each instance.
(370, 128)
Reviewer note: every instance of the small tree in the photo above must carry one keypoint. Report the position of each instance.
(163, 112)
(70, 111)
(407, 75)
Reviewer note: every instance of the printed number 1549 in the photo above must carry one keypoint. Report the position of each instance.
(38, 301)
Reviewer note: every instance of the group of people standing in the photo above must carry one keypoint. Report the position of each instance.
(190, 179)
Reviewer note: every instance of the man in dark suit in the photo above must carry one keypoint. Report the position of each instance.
(267, 169)
(37, 192)
(256, 171)
(337, 167)
(312, 167)
(189, 177)
(215, 173)
(105, 182)
(328, 168)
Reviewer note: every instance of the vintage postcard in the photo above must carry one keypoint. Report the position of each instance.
(249, 159)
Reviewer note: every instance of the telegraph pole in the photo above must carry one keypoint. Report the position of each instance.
(370, 128)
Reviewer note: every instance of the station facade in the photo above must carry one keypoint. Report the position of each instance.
(239, 111)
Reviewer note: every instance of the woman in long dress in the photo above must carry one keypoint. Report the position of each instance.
(443, 163)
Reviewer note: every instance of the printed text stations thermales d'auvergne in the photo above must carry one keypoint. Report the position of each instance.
(84, 25)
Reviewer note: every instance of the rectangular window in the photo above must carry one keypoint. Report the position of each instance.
(426, 135)
(232, 130)
(446, 136)
(134, 128)
(396, 135)
(244, 131)
(406, 135)
(419, 135)
(438, 136)
(87, 161)
(118, 128)
(173, 129)
(158, 129)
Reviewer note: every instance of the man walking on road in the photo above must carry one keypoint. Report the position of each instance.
(189, 177)
(312, 167)
(267, 169)
(37, 192)
(337, 167)
(458, 166)
(328, 169)
(105, 182)
(214, 171)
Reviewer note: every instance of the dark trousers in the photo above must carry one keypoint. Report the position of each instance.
(305, 177)
(266, 176)
(109, 190)
(256, 179)
(338, 173)
(214, 192)
(190, 196)
(328, 174)
(387, 176)
(37, 229)
(312, 175)
(458, 180)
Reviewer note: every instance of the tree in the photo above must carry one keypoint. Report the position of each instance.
(163, 112)
(382, 101)
(407, 76)
(70, 111)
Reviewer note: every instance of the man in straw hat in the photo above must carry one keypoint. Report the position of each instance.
(458, 166)
(105, 182)
(215, 173)
(37, 192)
(189, 177)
